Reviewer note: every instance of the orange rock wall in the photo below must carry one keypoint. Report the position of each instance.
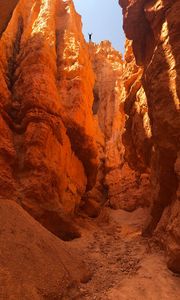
(107, 65)
(136, 137)
(6, 10)
(48, 152)
(153, 27)
(121, 184)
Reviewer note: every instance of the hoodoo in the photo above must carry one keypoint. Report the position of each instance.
(89, 154)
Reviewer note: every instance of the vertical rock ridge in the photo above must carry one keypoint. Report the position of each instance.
(75, 83)
(160, 80)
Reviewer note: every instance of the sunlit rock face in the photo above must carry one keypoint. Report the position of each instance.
(107, 65)
(47, 145)
(119, 181)
(153, 27)
(136, 137)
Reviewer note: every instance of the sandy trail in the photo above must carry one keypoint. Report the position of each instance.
(123, 264)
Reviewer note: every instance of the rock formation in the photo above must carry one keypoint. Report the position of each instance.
(48, 152)
(80, 129)
(107, 65)
(153, 27)
(121, 185)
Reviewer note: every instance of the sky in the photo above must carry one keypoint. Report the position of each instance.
(103, 18)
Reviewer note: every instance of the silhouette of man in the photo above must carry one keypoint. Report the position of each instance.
(90, 37)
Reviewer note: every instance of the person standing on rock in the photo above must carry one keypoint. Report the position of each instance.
(90, 37)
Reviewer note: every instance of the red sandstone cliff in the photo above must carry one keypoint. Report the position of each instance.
(107, 65)
(48, 152)
(47, 146)
(153, 27)
(55, 110)
(121, 185)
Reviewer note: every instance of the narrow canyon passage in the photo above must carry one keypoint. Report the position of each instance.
(89, 154)
(122, 264)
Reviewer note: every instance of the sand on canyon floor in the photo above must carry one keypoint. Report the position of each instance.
(123, 265)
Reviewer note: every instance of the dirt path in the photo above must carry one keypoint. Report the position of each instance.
(123, 265)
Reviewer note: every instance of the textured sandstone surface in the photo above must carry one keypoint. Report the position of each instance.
(6, 10)
(153, 28)
(120, 184)
(47, 149)
(34, 263)
(137, 136)
(107, 65)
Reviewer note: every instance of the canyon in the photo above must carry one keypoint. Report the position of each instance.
(89, 154)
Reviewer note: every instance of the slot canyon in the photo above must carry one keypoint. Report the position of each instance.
(89, 154)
